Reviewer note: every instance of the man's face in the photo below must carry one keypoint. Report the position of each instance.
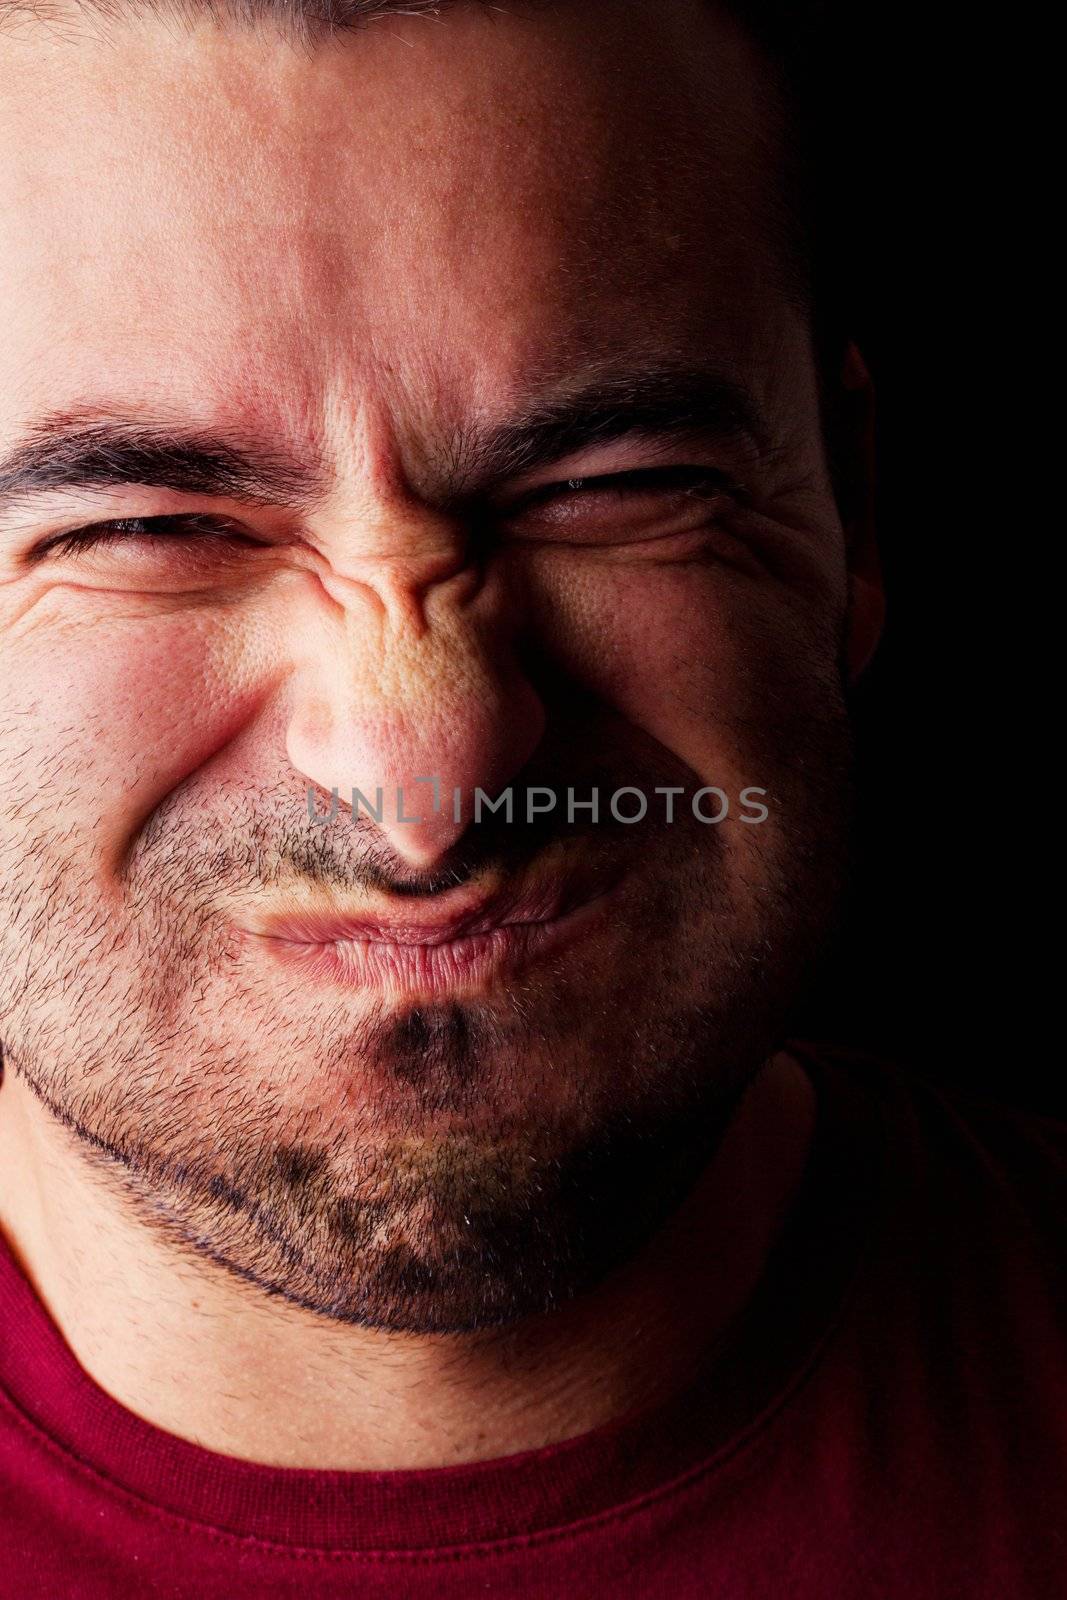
(553, 234)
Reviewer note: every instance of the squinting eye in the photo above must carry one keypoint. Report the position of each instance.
(188, 530)
(686, 480)
(647, 502)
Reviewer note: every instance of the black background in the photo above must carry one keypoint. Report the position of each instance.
(944, 959)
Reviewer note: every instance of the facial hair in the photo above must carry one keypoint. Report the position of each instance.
(430, 1166)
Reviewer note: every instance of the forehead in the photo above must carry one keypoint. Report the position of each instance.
(430, 215)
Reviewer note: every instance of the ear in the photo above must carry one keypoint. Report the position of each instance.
(866, 591)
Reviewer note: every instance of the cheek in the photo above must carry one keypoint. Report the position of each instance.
(698, 656)
(103, 713)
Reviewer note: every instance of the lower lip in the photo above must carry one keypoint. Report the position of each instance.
(432, 969)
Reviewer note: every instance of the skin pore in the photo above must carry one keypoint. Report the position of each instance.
(314, 1224)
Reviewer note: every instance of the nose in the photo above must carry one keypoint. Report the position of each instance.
(411, 693)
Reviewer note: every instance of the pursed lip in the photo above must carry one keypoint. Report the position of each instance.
(465, 942)
(463, 917)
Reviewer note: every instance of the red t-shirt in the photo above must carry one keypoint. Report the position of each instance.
(887, 1420)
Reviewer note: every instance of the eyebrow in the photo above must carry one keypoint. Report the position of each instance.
(89, 449)
(665, 402)
(93, 449)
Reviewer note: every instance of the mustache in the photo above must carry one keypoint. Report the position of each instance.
(248, 837)
(489, 844)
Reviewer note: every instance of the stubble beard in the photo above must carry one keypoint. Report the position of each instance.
(419, 1167)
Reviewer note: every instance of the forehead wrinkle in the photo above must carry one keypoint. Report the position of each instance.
(427, 445)
(584, 248)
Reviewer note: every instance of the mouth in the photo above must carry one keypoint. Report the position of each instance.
(434, 949)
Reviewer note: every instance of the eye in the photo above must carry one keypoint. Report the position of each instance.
(647, 502)
(190, 531)
(683, 479)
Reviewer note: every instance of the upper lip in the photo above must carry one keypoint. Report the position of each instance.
(432, 923)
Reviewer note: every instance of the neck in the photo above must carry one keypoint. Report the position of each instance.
(194, 1351)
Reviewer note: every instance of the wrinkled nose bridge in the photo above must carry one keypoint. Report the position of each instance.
(416, 676)
(436, 712)
(403, 564)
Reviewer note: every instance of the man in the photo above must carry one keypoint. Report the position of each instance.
(433, 569)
